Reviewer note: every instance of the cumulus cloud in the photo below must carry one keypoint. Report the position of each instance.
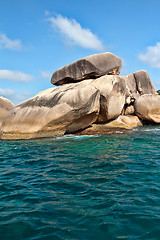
(152, 56)
(15, 96)
(15, 76)
(71, 29)
(7, 43)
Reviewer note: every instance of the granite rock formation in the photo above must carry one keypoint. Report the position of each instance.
(122, 123)
(53, 112)
(137, 84)
(93, 99)
(5, 107)
(89, 67)
(147, 107)
(112, 97)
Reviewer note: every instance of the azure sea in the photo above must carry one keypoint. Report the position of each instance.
(81, 187)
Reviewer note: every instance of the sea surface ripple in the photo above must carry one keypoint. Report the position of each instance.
(81, 188)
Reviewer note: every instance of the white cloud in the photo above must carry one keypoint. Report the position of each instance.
(6, 92)
(45, 75)
(75, 33)
(152, 56)
(14, 96)
(7, 43)
(15, 76)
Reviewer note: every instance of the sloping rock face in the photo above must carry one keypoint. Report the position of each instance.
(5, 107)
(53, 112)
(122, 124)
(147, 107)
(89, 67)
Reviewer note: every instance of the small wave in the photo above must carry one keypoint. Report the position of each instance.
(72, 136)
(147, 129)
(116, 132)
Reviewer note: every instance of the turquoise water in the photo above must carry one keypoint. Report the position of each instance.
(81, 188)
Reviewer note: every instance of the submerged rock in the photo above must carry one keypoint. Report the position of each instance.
(89, 67)
(53, 112)
(5, 107)
(147, 107)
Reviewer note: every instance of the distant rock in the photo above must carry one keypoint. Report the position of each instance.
(158, 92)
(5, 107)
(89, 67)
(147, 107)
(53, 112)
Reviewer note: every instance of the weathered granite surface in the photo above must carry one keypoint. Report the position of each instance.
(5, 107)
(121, 124)
(53, 112)
(92, 66)
(112, 97)
(137, 84)
(147, 107)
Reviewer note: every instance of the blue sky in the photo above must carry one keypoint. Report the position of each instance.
(39, 36)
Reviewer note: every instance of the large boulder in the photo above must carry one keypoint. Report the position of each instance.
(53, 112)
(147, 107)
(137, 84)
(144, 83)
(89, 67)
(127, 122)
(112, 96)
(5, 107)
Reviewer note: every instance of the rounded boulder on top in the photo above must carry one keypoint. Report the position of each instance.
(92, 66)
